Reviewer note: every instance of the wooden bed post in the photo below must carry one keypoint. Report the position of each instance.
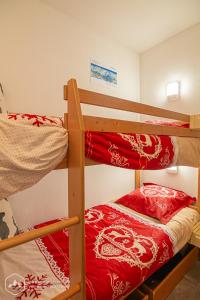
(198, 192)
(76, 194)
(137, 179)
(195, 124)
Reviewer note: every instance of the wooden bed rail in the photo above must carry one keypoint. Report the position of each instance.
(92, 98)
(37, 233)
(76, 288)
(88, 162)
(76, 189)
(137, 179)
(113, 125)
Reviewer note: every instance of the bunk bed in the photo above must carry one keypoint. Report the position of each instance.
(148, 245)
(75, 161)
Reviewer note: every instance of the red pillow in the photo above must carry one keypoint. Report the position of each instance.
(156, 201)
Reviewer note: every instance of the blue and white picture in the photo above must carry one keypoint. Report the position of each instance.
(108, 75)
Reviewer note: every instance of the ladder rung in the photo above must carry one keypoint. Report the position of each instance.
(69, 293)
(36, 233)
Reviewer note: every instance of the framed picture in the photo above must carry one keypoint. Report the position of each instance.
(101, 73)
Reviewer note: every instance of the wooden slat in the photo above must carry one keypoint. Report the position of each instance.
(195, 238)
(69, 293)
(137, 179)
(97, 99)
(88, 162)
(36, 233)
(198, 196)
(76, 193)
(62, 165)
(195, 121)
(195, 125)
(113, 125)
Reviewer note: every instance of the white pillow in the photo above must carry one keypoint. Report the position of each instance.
(3, 108)
(8, 228)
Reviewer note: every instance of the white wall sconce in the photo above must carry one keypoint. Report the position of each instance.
(172, 170)
(173, 90)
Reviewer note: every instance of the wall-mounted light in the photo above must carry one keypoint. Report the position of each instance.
(172, 170)
(173, 90)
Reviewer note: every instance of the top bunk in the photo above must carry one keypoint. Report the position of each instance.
(49, 143)
(172, 138)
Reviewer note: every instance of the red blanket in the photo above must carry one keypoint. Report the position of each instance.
(133, 151)
(122, 250)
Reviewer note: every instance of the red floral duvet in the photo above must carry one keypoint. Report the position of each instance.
(122, 250)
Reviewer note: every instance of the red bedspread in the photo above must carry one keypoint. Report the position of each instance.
(133, 151)
(122, 250)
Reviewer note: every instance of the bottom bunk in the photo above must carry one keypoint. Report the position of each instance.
(123, 249)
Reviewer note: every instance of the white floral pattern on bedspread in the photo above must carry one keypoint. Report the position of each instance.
(31, 146)
(27, 274)
(122, 250)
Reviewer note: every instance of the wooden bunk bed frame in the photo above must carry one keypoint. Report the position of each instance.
(75, 161)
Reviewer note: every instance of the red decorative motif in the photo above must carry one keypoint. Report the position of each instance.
(131, 151)
(55, 249)
(156, 201)
(121, 251)
(35, 120)
(34, 285)
(124, 245)
(119, 287)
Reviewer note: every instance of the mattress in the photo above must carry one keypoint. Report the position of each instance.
(123, 248)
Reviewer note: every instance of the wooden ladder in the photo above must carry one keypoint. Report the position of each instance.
(76, 203)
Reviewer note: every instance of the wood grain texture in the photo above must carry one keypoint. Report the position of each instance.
(166, 286)
(69, 293)
(198, 196)
(195, 122)
(36, 233)
(89, 97)
(195, 125)
(114, 125)
(137, 179)
(88, 162)
(76, 184)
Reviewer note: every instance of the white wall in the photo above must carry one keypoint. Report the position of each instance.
(41, 48)
(175, 59)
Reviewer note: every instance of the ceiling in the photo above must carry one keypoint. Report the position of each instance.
(138, 24)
